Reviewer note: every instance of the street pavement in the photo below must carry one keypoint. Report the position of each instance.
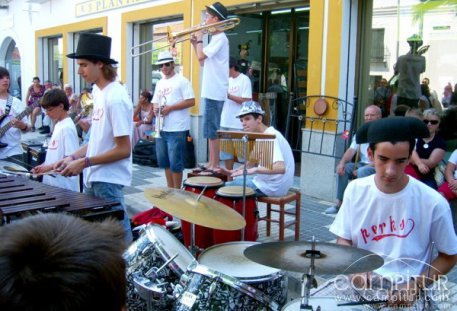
(314, 223)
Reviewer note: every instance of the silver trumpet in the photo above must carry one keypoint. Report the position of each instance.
(159, 118)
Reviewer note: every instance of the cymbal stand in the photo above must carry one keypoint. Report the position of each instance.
(194, 249)
(245, 174)
(310, 281)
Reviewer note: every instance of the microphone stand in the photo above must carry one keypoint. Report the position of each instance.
(245, 174)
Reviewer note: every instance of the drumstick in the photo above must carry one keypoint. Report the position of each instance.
(362, 302)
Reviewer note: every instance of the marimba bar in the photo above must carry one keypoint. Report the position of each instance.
(20, 196)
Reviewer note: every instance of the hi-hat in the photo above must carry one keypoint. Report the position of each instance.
(330, 258)
(204, 211)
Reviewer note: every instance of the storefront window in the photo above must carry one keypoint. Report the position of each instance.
(55, 47)
(13, 64)
(157, 34)
(403, 27)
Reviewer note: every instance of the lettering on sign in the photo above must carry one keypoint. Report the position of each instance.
(97, 6)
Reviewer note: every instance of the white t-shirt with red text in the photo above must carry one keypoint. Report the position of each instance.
(400, 227)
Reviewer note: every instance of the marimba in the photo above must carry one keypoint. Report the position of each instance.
(20, 196)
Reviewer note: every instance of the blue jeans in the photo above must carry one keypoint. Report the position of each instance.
(113, 192)
(238, 181)
(342, 182)
(170, 150)
(212, 117)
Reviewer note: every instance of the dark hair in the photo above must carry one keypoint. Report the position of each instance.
(53, 98)
(146, 94)
(412, 144)
(4, 72)
(36, 78)
(61, 262)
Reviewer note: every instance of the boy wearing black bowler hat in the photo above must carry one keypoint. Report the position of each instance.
(214, 58)
(396, 217)
(106, 159)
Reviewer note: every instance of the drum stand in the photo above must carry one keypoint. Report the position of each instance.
(194, 249)
(245, 174)
(310, 281)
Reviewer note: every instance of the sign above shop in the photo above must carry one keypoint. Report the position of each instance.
(97, 6)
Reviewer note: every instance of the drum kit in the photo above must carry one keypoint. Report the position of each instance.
(163, 274)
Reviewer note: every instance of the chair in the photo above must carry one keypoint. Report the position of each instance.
(291, 196)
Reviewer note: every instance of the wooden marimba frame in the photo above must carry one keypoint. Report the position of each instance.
(21, 196)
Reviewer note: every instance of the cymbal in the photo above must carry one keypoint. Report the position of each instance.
(204, 212)
(333, 258)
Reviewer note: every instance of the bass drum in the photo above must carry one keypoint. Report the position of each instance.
(229, 259)
(155, 263)
(208, 289)
(324, 303)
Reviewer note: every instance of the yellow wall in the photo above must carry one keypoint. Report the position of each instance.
(63, 30)
(315, 61)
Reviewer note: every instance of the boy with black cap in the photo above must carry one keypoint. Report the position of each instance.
(396, 217)
(214, 58)
(106, 159)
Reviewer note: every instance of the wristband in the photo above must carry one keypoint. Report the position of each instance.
(87, 162)
(199, 41)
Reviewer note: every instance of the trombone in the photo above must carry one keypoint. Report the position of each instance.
(180, 36)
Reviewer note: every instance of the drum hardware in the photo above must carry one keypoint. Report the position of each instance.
(196, 209)
(313, 257)
(229, 259)
(153, 275)
(205, 211)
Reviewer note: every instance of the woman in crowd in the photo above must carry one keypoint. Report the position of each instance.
(142, 117)
(34, 94)
(428, 151)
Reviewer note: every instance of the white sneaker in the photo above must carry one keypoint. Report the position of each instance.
(332, 210)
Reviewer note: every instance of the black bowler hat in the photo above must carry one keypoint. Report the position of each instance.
(218, 9)
(93, 46)
(393, 129)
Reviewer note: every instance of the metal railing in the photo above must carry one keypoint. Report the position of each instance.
(325, 135)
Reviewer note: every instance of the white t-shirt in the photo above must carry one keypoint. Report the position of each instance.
(216, 68)
(64, 141)
(112, 117)
(363, 155)
(453, 160)
(175, 90)
(277, 184)
(400, 227)
(239, 86)
(12, 136)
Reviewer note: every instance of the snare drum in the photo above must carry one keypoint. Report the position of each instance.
(203, 235)
(208, 289)
(147, 285)
(325, 304)
(229, 259)
(232, 196)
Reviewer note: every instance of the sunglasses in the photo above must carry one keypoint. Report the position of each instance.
(166, 65)
(433, 122)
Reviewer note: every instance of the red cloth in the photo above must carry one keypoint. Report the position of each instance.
(154, 215)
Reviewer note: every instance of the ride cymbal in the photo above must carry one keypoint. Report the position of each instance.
(330, 258)
(204, 211)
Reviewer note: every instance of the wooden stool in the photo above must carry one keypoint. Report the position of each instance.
(292, 195)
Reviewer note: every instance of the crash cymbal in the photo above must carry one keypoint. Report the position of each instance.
(331, 259)
(204, 212)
